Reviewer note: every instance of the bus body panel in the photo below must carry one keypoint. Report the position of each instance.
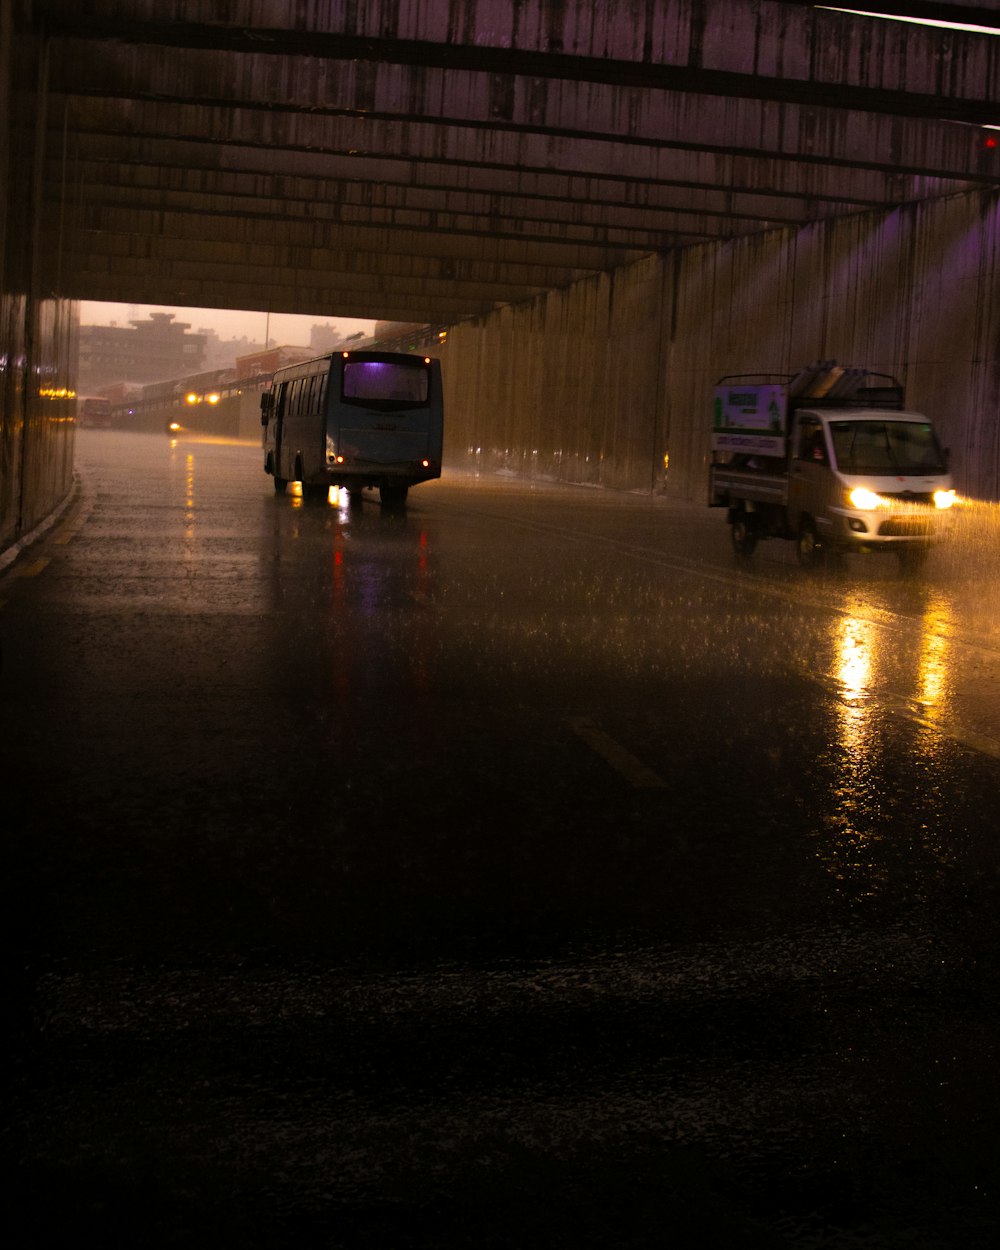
(382, 445)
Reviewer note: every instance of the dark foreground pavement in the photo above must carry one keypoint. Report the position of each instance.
(506, 872)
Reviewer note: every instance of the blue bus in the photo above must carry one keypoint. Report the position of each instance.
(355, 419)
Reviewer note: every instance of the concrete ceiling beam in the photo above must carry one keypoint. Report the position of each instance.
(327, 300)
(250, 101)
(767, 50)
(596, 170)
(426, 158)
(349, 252)
(517, 216)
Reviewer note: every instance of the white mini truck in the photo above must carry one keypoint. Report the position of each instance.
(830, 459)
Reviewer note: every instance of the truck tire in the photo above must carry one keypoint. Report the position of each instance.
(743, 535)
(807, 544)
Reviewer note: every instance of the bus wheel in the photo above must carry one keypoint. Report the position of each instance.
(743, 535)
(393, 496)
(279, 485)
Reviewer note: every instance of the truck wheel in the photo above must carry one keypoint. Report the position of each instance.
(743, 535)
(808, 545)
(279, 485)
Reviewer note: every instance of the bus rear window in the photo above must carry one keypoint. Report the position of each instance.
(382, 381)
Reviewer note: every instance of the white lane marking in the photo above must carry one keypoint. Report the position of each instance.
(623, 762)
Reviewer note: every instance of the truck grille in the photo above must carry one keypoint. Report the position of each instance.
(907, 527)
(924, 499)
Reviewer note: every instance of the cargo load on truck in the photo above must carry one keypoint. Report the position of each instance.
(831, 459)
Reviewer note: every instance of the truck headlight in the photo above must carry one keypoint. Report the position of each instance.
(944, 498)
(865, 500)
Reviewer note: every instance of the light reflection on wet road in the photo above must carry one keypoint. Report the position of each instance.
(513, 870)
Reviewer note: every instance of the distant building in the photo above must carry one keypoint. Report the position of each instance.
(223, 353)
(272, 358)
(145, 351)
(324, 338)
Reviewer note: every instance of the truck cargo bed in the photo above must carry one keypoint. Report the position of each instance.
(761, 485)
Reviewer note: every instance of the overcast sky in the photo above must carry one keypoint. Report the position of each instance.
(285, 329)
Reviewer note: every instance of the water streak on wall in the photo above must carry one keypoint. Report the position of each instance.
(595, 384)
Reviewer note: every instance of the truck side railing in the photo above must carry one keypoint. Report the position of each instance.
(827, 384)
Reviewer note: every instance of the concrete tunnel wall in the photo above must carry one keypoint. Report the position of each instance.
(37, 327)
(596, 383)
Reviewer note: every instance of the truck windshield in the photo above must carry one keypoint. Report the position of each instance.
(895, 447)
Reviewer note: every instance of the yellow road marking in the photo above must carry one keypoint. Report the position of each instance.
(623, 762)
(957, 733)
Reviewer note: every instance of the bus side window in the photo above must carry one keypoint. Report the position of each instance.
(321, 398)
(281, 400)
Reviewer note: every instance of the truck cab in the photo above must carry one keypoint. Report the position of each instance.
(867, 479)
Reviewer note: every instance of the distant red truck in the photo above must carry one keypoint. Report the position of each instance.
(93, 412)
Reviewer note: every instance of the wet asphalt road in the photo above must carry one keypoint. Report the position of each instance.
(511, 871)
